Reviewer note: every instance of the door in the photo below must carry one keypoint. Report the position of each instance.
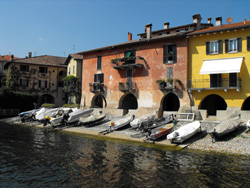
(129, 78)
(232, 79)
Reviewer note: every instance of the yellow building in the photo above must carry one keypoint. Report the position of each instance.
(74, 68)
(219, 67)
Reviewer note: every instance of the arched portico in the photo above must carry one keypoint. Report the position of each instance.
(128, 101)
(98, 101)
(46, 98)
(212, 103)
(246, 104)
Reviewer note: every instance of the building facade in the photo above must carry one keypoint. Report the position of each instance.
(150, 72)
(219, 67)
(41, 74)
(74, 68)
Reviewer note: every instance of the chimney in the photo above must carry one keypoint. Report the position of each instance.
(218, 21)
(11, 57)
(166, 25)
(209, 20)
(129, 36)
(197, 18)
(30, 54)
(148, 30)
(245, 21)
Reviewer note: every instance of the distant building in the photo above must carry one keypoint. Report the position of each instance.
(41, 74)
(74, 68)
(125, 75)
(219, 67)
(4, 59)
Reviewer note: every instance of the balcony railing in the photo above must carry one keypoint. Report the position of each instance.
(127, 62)
(167, 86)
(96, 87)
(127, 86)
(207, 84)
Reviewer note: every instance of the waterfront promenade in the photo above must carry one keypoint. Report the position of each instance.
(235, 143)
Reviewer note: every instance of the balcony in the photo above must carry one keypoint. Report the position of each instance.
(128, 62)
(96, 87)
(127, 86)
(167, 86)
(220, 84)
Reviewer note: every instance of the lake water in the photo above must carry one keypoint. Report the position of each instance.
(32, 157)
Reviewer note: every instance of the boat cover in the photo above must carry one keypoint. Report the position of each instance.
(92, 118)
(137, 122)
(122, 122)
(184, 132)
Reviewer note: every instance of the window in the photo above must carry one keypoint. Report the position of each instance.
(99, 62)
(170, 53)
(248, 43)
(99, 78)
(214, 47)
(129, 53)
(42, 84)
(233, 45)
(24, 68)
(24, 83)
(170, 73)
(73, 69)
(232, 79)
(129, 75)
(43, 69)
(215, 80)
(69, 70)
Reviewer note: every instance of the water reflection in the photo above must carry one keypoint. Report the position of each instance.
(35, 158)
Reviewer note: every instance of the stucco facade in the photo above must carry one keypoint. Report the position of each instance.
(125, 75)
(41, 74)
(233, 94)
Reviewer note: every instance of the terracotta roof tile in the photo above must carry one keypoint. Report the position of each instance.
(222, 28)
(44, 60)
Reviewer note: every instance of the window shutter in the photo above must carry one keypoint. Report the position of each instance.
(169, 72)
(165, 50)
(220, 44)
(101, 78)
(20, 82)
(207, 48)
(95, 78)
(239, 44)
(174, 53)
(248, 43)
(45, 84)
(27, 68)
(27, 83)
(226, 45)
(39, 83)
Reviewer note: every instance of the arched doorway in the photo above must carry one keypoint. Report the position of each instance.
(246, 104)
(170, 102)
(46, 98)
(212, 103)
(98, 101)
(128, 101)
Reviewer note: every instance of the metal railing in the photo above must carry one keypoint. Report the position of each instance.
(127, 86)
(124, 62)
(96, 87)
(224, 83)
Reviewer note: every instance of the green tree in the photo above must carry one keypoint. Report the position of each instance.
(72, 87)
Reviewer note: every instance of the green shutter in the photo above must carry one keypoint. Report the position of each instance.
(239, 44)
(165, 50)
(207, 48)
(174, 53)
(248, 43)
(220, 45)
(226, 45)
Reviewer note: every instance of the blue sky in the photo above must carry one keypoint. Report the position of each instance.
(61, 27)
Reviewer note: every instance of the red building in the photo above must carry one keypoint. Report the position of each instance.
(149, 72)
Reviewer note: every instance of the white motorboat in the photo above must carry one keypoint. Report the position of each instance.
(93, 118)
(121, 123)
(41, 114)
(57, 117)
(184, 132)
(225, 127)
(75, 115)
(137, 122)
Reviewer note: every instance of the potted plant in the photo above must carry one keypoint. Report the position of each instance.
(161, 83)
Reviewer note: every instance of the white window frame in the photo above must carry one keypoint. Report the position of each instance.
(69, 70)
(213, 48)
(235, 48)
(73, 69)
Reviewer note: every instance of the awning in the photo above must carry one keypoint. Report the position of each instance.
(219, 66)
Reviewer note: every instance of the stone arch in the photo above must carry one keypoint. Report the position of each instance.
(128, 101)
(246, 104)
(98, 101)
(46, 98)
(170, 102)
(212, 103)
